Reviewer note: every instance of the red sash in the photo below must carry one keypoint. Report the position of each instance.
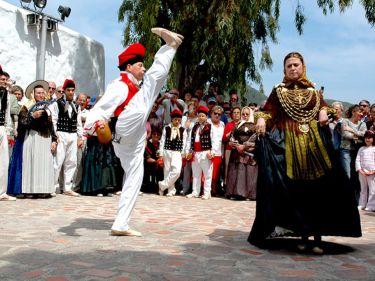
(133, 89)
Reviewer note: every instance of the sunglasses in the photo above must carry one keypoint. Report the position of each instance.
(59, 91)
(216, 113)
(51, 88)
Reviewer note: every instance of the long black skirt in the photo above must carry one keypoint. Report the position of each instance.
(322, 207)
(102, 172)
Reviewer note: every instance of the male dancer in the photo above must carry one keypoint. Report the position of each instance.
(131, 104)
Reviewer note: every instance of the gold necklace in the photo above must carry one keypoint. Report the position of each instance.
(294, 103)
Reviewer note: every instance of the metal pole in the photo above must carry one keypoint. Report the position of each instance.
(42, 54)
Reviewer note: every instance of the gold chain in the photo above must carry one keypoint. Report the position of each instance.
(294, 102)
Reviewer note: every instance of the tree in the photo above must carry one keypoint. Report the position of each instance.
(221, 37)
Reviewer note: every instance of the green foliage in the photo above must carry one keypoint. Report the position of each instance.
(225, 41)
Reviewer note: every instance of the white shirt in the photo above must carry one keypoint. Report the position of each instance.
(169, 107)
(163, 136)
(217, 132)
(54, 108)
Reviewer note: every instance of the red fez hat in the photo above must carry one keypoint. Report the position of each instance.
(176, 113)
(202, 109)
(132, 54)
(68, 83)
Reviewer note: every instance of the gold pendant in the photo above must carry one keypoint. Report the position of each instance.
(304, 127)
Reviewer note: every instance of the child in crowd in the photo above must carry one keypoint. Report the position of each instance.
(172, 146)
(200, 148)
(365, 166)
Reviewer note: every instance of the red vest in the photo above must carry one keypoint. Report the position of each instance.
(133, 89)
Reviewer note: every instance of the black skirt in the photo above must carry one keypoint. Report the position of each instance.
(325, 206)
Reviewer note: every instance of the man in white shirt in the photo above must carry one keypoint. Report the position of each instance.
(66, 119)
(217, 140)
(169, 102)
(131, 104)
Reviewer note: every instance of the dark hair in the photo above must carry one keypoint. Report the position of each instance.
(16, 88)
(365, 101)
(5, 74)
(187, 90)
(233, 108)
(369, 134)
(232, 91)
(353, 108)
(294, 55)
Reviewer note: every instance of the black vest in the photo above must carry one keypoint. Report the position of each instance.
(4, 101)
(205, 136)
(64, 122)
(175, 144)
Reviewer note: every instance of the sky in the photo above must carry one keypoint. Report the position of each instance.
(338, 48)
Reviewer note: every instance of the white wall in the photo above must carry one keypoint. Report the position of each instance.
(68, 54)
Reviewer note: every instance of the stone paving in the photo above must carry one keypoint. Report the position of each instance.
(67, 238)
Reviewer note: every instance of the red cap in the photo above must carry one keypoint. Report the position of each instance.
(176, 113)
(202, 109)
(68, 83)
(132, 54)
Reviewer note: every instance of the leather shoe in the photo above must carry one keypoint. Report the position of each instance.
(71, 193)
(171, 38)
(6, 197)
(129, 232)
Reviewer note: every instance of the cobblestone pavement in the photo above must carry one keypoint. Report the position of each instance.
(67, 238)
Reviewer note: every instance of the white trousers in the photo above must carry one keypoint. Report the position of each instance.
(172, 169)
(131, 128)
(4, 161)
(66, 156)
(77, 177)
(367, 195)
(199, 165)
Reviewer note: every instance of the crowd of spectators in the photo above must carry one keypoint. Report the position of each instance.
(198, 145)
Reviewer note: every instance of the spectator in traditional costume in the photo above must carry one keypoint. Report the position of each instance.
(228, 131)
(5, 132)
(66, 118)
(40, 142)
(172, 150)
(242, 167)
(199, 148)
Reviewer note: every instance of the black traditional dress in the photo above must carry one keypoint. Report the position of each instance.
(299, 192)
(102, 172)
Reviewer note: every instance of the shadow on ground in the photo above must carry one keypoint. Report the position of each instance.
(84, 223)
